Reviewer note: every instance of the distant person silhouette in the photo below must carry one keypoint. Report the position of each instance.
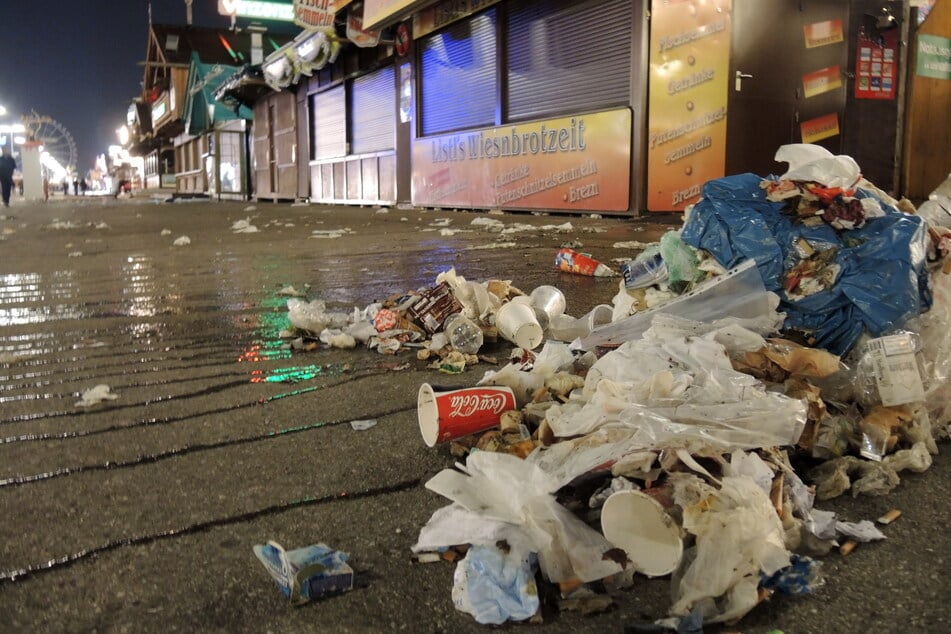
(7, 166)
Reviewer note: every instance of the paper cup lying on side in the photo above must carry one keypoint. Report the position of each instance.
(448, 414)
(516, 322)
(638, 524)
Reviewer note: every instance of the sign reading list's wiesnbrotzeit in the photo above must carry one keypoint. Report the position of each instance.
(572, 163)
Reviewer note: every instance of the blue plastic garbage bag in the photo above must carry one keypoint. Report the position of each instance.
(882, 281)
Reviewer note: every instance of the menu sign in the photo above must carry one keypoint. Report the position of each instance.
(876, 66)
(689, 87)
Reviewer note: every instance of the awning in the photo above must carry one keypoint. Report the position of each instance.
(244, 87)
(202, 110)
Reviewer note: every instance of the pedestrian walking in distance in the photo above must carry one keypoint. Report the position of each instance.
(7, 166)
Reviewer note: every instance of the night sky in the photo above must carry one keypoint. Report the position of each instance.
(79, 61)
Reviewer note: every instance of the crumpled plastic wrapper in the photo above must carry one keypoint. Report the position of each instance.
(496, 586)
(680, 392)
(814, 163)
(488, 508)
(738, 538)
(848, 473)
(96, 395)
(313, 316)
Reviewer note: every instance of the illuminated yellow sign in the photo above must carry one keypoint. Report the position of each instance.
(689, 83)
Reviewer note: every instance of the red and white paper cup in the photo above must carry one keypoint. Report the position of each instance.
(446, 414)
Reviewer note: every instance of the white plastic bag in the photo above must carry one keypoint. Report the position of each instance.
(680, 392)
(738, 536)
(814, 163)
(567, 547)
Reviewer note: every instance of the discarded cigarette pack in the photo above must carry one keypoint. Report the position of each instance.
(306, 573)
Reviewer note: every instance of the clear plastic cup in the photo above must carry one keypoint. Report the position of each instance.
(548, 299)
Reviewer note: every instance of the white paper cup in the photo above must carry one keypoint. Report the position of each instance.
(550, 300)
(449, 414)
(638, 524)
(516, 322)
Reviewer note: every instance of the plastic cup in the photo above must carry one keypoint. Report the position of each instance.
(567, 328)
(638, 524)
(516, 322)
(600, 315)
(447, 414)
(550, 300)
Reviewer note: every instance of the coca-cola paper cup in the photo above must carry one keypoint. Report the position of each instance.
(448, 414)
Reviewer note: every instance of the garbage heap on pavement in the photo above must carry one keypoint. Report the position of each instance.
(785, 346)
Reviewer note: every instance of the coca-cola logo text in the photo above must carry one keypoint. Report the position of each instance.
(465, 405)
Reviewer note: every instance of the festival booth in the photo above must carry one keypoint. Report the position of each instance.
(210, 152)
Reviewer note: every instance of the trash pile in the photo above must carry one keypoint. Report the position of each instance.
(785, 346)
(447, 323)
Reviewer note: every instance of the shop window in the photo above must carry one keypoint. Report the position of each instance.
(459, 77)
(373, 112)
(329, 110)
(229, 161)
(550, 73)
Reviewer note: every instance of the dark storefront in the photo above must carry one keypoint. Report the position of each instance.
(606, 106)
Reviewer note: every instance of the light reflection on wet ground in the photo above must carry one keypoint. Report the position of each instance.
(188, 338)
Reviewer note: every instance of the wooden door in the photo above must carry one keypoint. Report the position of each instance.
(261, 135)
(285, 145)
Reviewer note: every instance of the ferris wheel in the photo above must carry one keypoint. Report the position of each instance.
(55, 138)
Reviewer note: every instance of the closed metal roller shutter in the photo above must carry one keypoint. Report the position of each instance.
(330, 123)
(565, 56)
(458, 76)
(373, 116)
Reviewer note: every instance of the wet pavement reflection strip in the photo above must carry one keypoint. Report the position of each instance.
(168, 420)
(151, 458)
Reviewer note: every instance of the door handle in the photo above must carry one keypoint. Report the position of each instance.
(738, 82)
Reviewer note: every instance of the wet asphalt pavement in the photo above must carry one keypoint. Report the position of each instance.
(139, 514)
